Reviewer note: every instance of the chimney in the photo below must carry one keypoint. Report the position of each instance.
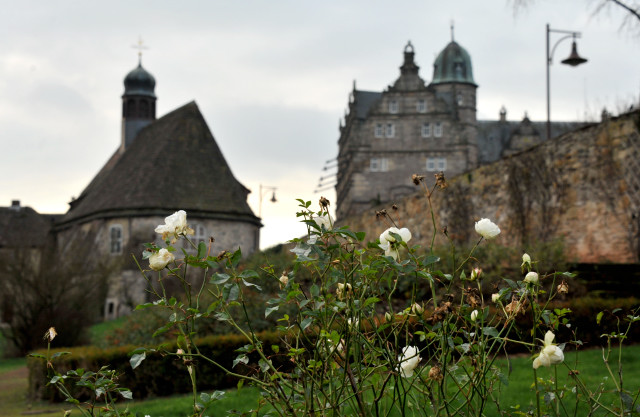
(15, 205)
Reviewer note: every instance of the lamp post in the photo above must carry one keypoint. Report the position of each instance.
(265, 189)
(574, 60)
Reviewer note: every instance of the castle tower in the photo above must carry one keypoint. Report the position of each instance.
(138, 104)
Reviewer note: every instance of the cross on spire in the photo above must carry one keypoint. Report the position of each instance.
(452, 28)
(139, 47)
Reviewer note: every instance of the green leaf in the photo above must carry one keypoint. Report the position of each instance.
(58, 354)
(202, 250)
(163, 329)
(306, 322)
(431, 259)
(599, 317)
(250, 284)
(219, 279)
(37, 355)
(236, 257)
(270, 310)
(314, 290)
(369, 301)
(249, 274)
(126, 394)
(137, 359)
(234, 292)
(360, 236)
(490, 331)
(240, 359)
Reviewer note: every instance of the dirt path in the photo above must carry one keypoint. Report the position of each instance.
(13, 396)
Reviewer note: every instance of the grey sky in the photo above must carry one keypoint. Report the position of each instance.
(272, 79)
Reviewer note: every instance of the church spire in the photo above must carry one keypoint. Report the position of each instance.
(138, 101)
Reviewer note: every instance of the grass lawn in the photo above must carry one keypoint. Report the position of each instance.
(519, 392)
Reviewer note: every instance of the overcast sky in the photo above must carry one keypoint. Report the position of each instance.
(272, 79)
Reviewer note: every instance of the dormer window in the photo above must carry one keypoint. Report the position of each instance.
(421, 106)
(393, 106)
(115, 239)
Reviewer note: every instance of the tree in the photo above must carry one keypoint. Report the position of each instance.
(42, 289)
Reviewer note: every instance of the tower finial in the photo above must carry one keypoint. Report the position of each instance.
(140, 47)
(452, 28)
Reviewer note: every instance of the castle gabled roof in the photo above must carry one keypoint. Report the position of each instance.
(23, 227)
(173, 164)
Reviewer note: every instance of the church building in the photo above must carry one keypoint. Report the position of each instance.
(160, 166)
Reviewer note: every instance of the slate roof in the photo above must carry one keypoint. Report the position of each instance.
(24, 227)
(494, 135)
(173, 164)
(364, 100)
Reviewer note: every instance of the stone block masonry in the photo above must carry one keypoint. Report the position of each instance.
(582, 187)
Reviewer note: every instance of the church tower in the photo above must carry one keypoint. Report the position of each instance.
(138, 103)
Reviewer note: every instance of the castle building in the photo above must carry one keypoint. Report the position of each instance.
(417, 127)
(160, 166)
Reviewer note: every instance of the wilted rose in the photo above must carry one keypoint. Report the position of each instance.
(159, 260)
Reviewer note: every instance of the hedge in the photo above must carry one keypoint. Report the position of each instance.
(159, 374)
(162, 375)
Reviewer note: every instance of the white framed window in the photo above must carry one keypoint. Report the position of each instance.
(379, 130)
(115, 239)
(199, 234)
(391, 130)
(426, 130)
(437, 130)
(436, 164)
(378, 165)
(460, 99)
(421, 106)
(393, 106)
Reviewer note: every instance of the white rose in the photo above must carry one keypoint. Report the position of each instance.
(550, 353)
(176, 224)
(495, 297)
(388, 242)
(408, 361)
(159, 260)
(531, 278)
(324, 220)
(474, 315)
(487, 229)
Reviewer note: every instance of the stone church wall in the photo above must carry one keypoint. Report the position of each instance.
(583, 187)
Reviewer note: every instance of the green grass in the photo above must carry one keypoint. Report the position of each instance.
(98, 330)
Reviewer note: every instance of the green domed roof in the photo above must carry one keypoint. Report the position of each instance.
(139, 82)
(453, 65)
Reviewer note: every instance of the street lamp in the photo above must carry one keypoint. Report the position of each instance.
(574, 60)
(265, 189)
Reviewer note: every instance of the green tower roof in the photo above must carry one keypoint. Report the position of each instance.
(453, 65)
